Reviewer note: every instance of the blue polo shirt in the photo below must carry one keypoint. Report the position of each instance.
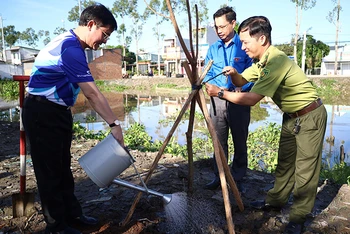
(227, 55)
(58, 69)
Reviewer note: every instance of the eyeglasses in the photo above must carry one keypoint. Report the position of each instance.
(105, 35)
(221, 27)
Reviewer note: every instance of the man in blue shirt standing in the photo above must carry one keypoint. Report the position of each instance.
(227, 51)
(60, 71)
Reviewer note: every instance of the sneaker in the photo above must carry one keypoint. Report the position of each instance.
(262, 205)
(214, 184)
(240, 186)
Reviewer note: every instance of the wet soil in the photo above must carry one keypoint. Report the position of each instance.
(202, 211)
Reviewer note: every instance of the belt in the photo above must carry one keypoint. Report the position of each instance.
(44, 100)
(312, 106)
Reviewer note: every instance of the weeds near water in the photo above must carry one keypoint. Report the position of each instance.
(9, 89)
(107, 87)
(340, 173)
(328, 90)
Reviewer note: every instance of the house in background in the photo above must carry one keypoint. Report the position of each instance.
(105, 64)
(343, 61)
(174, 55)
(148, 61)
(19, 61)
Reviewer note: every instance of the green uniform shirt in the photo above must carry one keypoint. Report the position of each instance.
(280, 78)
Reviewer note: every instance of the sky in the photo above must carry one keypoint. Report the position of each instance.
(50, 14)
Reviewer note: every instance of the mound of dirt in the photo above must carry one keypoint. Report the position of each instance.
(202, 211)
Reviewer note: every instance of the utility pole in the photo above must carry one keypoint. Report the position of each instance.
(3, 41)
(336, 40)
(158, 45)
(303, 57)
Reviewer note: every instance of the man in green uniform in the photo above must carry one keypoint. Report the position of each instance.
(304, 119)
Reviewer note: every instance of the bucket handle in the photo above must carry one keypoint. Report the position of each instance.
(132, 160)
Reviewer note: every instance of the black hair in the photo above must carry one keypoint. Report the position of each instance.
(100, 14)
(227, 11)
(257, 26)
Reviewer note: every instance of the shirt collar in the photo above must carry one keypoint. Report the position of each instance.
(262, 62)
(222, 43)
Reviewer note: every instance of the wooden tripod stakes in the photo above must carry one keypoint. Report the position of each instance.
(196, 95)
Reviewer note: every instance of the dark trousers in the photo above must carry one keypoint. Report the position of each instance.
(49, 130)
(226, 115)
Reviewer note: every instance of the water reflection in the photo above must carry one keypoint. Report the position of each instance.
(154, 111)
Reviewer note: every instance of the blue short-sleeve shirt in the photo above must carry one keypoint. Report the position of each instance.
(227, 55)
(58, 69)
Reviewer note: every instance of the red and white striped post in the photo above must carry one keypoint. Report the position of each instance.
(22, 137)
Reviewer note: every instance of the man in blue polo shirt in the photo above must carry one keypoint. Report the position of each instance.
(60, 71)
(226, 115)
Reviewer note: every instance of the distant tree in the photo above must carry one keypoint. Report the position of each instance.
(59, 30)
(286, 48)
(136, 32)
(46, 35)
(202, 11)
(29, 37)
(130, 57)
(122, 9)
(11, 36)
(300, 5)
(333, 17)
(74, 14)
(156, 8)
(315, 50)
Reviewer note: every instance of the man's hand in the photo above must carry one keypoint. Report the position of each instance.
(118, 134)
(212, 90)
(238, 89)
(230, 71)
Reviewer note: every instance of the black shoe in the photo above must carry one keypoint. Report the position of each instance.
(240, 186)
(84, 220)
(294, 228)
(67, 230)
(262, 205)
(214, 184)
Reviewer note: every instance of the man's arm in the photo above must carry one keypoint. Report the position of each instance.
(236, 78)
(101, 106)
(245, 99)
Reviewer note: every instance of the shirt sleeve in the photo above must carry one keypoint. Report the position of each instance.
(208, 57)
(75, 65)
(270, 77)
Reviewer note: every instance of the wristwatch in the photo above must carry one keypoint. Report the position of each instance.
(221, 94)
(115, 123)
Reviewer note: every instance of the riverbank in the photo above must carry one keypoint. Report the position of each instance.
(150, 85)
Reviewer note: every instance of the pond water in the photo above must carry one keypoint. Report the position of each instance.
(154, 111)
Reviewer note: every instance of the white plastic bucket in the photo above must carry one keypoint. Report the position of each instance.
(105, 161)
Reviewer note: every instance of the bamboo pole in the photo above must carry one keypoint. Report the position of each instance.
(198, 95)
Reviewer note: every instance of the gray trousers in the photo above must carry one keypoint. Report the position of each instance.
(226, 115)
